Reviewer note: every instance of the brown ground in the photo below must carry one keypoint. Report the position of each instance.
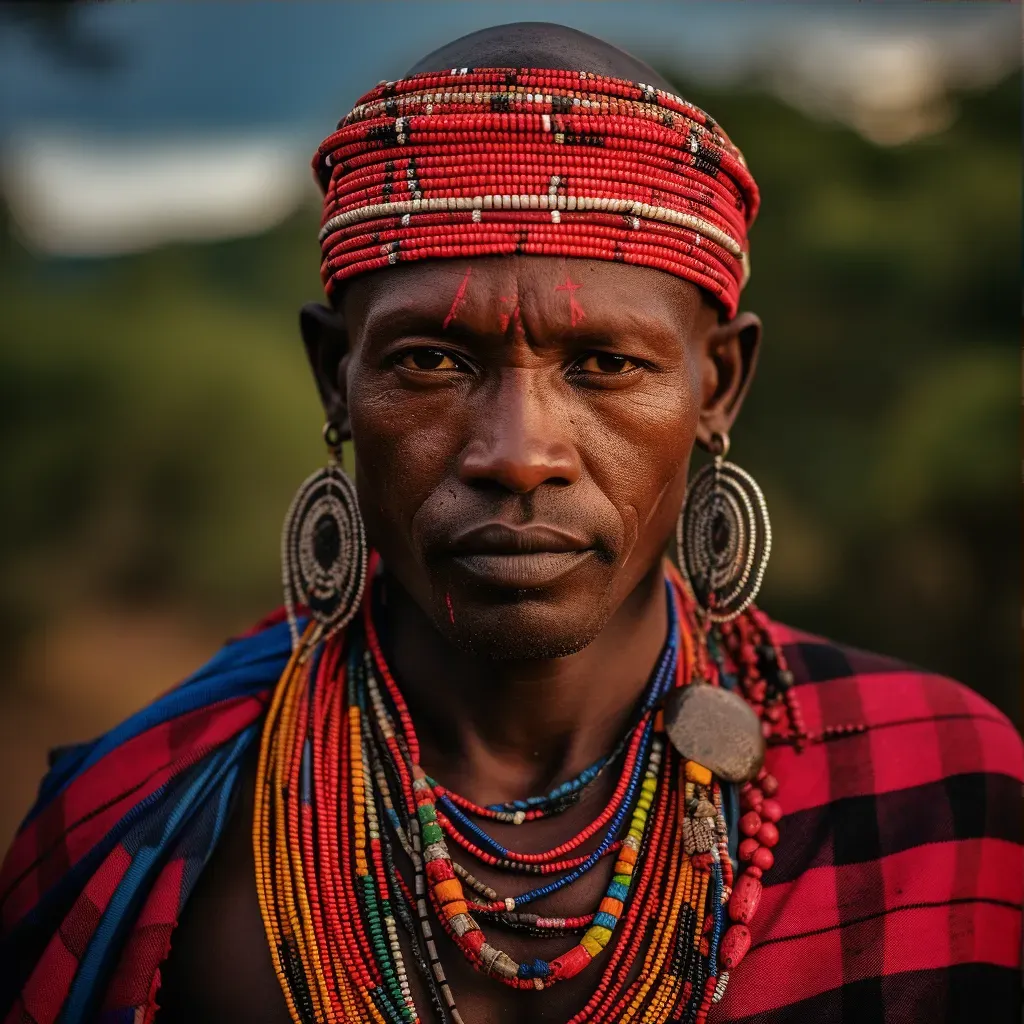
(80, 678)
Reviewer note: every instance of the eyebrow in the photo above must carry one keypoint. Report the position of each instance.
(387, 326)
(405, 320)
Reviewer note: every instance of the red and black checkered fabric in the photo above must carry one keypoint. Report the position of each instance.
(897, 886)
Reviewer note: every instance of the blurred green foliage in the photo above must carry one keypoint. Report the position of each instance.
(156, 413)
(883, 425)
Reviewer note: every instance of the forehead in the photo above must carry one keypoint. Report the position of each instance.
(607, 292)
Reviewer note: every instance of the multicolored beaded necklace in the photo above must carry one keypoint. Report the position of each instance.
(339, 784)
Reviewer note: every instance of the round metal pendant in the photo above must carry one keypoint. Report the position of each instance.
(716, 728)
(724, 539)
(323, 552)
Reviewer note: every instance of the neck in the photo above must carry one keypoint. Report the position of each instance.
(504, 730)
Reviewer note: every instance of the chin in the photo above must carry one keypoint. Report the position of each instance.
(523, 626)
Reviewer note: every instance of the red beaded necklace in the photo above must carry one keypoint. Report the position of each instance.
(341, 792)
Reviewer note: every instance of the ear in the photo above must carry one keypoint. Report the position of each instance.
(729, 364)
(326, 339)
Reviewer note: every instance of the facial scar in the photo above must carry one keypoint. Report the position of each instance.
(459, 297)
(505, 317)
(576, 313)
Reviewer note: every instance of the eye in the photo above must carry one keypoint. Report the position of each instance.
(605, 363)
(427, 359)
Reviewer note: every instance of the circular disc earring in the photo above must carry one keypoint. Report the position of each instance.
(723, 540)
(323, 547)
(723, 536)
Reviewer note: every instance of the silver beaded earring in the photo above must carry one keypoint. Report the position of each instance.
(723, 537)
(323, 547)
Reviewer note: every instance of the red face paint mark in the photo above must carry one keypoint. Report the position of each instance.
(504, 318)
(451, 610)
(460, 295)
(576, 313)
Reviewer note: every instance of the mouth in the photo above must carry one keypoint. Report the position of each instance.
(519, 558)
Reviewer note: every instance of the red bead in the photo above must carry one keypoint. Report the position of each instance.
(748, 847)
(750, 823)
(768, 834)
(771, 810)
(754, 872)
(745, 898)
(752, 800)
(439, 870)
(570, 963)
(763, 858)
(769, 785)
(735, 944)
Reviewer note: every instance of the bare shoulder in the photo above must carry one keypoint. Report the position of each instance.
(219, 967)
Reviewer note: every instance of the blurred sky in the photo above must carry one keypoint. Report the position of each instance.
(127, 125)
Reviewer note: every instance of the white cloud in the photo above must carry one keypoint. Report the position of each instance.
(72, 196)
(890, 83)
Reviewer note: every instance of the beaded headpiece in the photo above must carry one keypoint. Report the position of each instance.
(497, 161)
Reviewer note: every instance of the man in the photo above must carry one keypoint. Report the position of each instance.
(516, 779)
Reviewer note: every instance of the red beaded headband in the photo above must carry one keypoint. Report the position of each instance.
(496, 161)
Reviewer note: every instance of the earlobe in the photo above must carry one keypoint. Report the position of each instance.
(326, 339)
(733, 349)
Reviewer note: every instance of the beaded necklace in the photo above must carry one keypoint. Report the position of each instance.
(340, 790)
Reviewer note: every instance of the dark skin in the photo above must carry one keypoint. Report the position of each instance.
(523, 428)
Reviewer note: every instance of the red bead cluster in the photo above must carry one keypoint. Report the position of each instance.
(750, 644)
(758, 826)
(500, 161)
(766, 682)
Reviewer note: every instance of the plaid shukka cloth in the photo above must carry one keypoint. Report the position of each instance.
(94, 883)
(895, 895)
(897, 886)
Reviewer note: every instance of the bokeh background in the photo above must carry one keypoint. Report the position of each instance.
(158, 233)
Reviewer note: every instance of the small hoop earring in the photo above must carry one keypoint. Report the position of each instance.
(323, 547)
(723, 536)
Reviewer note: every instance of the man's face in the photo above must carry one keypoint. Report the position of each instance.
(522, 430)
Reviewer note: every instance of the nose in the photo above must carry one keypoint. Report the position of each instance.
(521, 440)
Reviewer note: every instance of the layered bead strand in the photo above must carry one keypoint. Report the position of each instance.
(340, 792)
(446, 891)
(494, 161)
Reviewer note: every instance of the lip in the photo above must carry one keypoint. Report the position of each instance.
(502, 539)
(520, 558)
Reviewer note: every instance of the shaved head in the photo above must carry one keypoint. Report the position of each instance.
(540, 44)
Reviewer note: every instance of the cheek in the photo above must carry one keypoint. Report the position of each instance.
(640, 452)
(403, 446)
